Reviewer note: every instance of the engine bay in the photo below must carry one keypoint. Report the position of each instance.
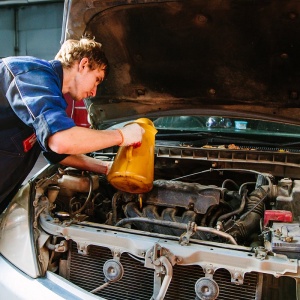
(234, 201)
(243, 210)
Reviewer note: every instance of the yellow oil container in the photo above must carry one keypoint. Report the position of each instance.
(133, 167)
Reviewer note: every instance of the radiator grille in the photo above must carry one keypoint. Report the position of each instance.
(86, 272)
(137, 282)
(184, 277)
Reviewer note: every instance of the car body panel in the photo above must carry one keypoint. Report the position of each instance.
(15, 285)
(16, 234)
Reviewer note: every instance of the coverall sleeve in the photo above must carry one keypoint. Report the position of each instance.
(54, 158)
(37, 99)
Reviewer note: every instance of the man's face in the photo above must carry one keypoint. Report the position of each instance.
(86, 80)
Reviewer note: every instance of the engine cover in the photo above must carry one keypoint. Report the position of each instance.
(191, 196)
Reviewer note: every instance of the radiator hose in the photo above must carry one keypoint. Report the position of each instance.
(249, 222)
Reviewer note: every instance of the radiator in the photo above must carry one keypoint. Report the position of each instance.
(137, 282)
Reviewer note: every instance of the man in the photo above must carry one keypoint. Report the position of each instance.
(33, 117)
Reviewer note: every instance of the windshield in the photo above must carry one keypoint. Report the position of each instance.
(223, 131)
(225, 125)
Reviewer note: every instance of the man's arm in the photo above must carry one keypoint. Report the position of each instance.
(86, 163)
(80, 140)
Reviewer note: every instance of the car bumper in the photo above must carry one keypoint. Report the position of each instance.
(14, 284)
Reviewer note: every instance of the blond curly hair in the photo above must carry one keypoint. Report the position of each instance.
(74, 50)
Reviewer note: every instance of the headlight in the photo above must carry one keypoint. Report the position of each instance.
(16, 239)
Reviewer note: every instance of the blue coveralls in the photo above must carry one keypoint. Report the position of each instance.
(32, 108)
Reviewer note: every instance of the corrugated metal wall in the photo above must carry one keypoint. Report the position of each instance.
(31, 29)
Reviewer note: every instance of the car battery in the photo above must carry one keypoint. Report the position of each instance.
(286, 239)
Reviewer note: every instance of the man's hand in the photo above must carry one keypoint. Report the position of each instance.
(108, 167)
(131, 134)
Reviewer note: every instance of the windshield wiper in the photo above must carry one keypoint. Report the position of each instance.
(213, 138)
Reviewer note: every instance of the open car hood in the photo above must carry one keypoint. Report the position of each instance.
(229, 58)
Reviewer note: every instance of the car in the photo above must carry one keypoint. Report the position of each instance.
(218, 83)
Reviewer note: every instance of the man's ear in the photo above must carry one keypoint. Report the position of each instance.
(83, 63)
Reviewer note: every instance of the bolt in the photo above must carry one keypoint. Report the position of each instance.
(178, 259)
(202, 19)
(289, 239)
(209, 271)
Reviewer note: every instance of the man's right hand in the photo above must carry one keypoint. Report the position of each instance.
(131, 134)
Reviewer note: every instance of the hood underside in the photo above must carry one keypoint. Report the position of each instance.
(210, 57)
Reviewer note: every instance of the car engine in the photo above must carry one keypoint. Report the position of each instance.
(200, 214)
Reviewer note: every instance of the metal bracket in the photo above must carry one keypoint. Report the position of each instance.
(185, 237)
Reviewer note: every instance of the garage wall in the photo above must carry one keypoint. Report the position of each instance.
(31, 30)
(6, 32)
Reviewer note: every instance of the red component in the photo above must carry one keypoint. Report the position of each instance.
(278, 215)
(29, 142)
(136, 145)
